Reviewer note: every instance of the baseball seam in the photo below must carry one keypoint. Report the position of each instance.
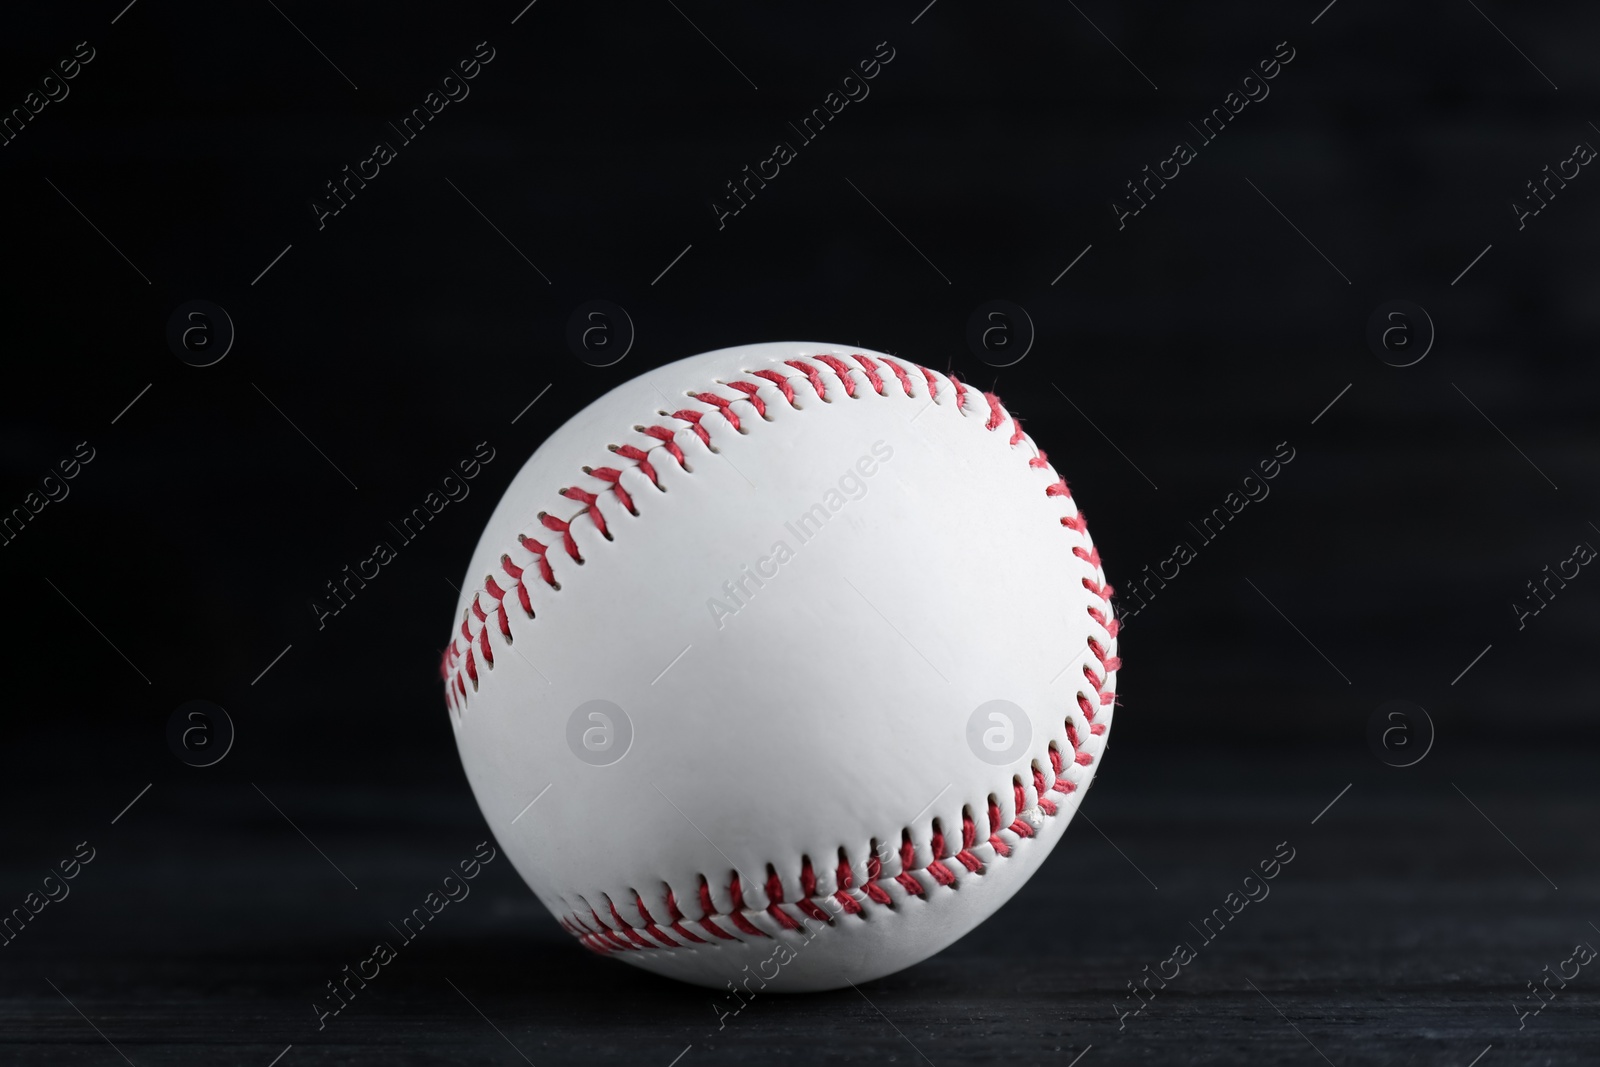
(459, 666)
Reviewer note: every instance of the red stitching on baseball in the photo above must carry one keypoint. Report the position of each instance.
(1108, 663)
(846, 880)
(775, 898)
(997, 414)
(483, 645)
(542, 552)
(708, 909)
(588, 500)
(813, 375)
(723, 405)
(1046, 805)
(899, 373)
(961, 393)
(777, 378)
(622, 926)
(605, 933)
(693, 418)
(1110, 626)
(875, 892)
(874, 379)
(842, 369)
(614, 476)
(808, 886)
(564, 528)
(908, 857)
(969, 837)
(641, 460)
(666, 436)
(736, 892)
(751, 393)
(650, 926)
(675, 918)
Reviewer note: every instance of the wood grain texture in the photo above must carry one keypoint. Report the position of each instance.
(1401, 932)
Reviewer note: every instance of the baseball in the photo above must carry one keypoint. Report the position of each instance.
(782, 667)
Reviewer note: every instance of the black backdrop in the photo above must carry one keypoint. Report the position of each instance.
(1174, 350)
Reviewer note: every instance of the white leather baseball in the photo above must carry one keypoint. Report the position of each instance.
(802, 787)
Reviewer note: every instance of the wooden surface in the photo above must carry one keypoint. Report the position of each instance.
(1401, 933)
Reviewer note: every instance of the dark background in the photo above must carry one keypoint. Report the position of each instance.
(1220, 321)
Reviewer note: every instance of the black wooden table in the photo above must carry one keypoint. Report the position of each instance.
(1406, 928)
